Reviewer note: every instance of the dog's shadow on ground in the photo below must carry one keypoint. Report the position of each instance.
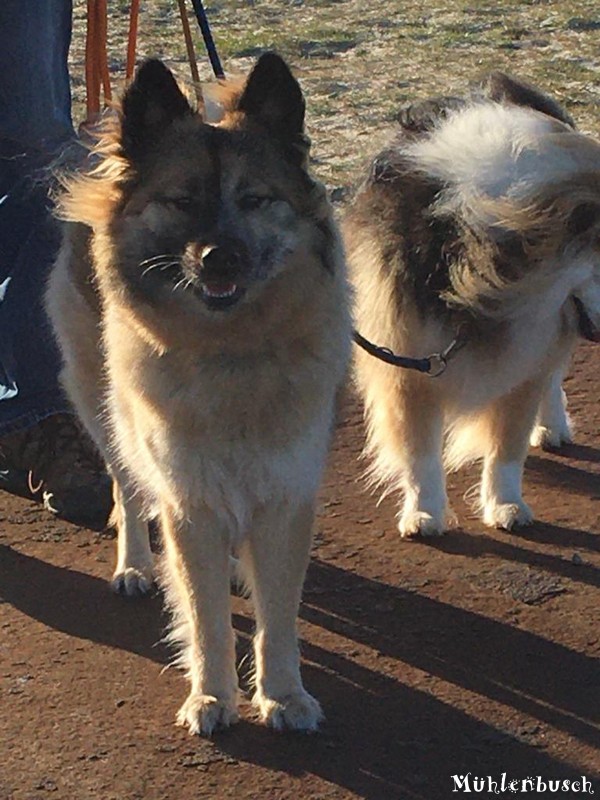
(512, 550)
(579, 452)
(568, 538)
(558, 474)
(388, 737)
(81, 605)
(402, 741)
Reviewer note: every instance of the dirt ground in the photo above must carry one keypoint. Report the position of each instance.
(474, 653)
(477, 652)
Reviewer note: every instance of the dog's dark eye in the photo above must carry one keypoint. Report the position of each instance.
(250, 202)
(181, 203)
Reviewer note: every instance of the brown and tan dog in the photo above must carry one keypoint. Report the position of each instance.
(200, 301)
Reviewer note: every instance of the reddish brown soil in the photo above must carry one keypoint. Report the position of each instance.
(474, 653)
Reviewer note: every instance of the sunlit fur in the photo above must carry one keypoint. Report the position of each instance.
(215, 418)
(480, 219)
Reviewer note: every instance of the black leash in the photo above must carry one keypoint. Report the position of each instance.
(433, 365)
(209, 42)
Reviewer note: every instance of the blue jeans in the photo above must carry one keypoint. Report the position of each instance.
(35, 93)
(35, 123)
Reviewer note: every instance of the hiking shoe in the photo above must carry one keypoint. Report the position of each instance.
(17, 451)
(61, 468)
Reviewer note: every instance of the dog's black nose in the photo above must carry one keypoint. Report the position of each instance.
(218, 259)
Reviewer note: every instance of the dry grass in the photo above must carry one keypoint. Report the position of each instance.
(358, 61)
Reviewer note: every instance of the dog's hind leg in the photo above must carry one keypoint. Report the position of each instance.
(133, 574)
(197, 585)
(405, 433)
(425, 508)
(506, 428)
(274, 558)
(76, 326)
(553, 426)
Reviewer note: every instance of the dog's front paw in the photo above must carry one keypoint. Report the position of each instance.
(420, 523)
(203, 714)
(298, 711)
(132, 581)
(550, 437)
(507, 516)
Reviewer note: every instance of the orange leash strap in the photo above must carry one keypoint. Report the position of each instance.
(101, 17)
(134, 13)
(92, 82)
(189, 46)
(97, 76)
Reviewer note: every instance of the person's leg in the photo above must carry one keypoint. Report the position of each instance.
(35, 94)
(39, 435)
(29, 358)
(35, 121)
(42, 448)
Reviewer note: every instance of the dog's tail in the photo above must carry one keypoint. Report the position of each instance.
(524, 191)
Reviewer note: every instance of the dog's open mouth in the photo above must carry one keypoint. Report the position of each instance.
(586, 327)
(220, 295)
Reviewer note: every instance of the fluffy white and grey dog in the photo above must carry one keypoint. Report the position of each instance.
(480, 219)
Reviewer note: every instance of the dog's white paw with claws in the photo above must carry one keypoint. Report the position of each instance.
(298, 711)
(204, 714)
(507, 516)
(553, 425)
(133, 581)
(421, 523)
(551, 437)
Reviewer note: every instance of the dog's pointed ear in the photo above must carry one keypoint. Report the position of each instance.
(274, 99)
(502, 88)
(150, 105)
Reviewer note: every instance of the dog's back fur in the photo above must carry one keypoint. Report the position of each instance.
(200, 299)
(481, 216)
